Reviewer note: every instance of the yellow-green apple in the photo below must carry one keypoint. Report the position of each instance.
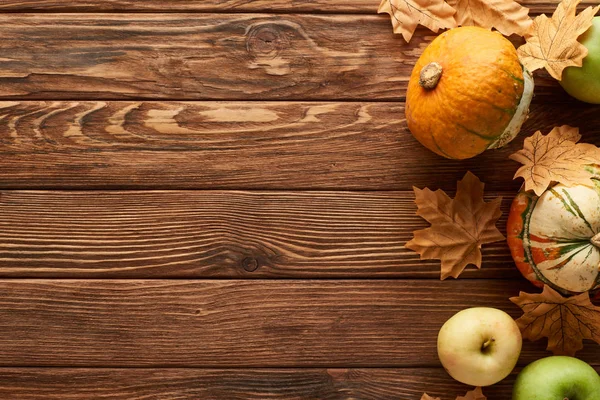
(557, 378)
(479, 346)
(583, 82)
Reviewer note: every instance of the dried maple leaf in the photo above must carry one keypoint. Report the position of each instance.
(507, 16)
(459, 226)
(553, 44)
(564, 321)
(407, 14)
(475, 394)
(556, 157)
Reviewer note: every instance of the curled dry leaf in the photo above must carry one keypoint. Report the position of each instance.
(553, 44)
(459, 226)
(407, 14)
(556, 157)
(564, 321)
(475, 394)
(507, 16)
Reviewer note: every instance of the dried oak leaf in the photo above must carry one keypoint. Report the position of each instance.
(475, 394)
(459, 226)
(556, 157)
(552, 42)
(564, 321)
(507, 16)
(407, 14)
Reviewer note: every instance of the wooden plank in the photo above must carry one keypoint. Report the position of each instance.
(243, 323)
(243, 145)
(329, 6)
(193, 234)
(203, 56)
(236, 384)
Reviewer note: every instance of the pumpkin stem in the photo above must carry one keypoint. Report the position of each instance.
(430, 75)
(596, 240)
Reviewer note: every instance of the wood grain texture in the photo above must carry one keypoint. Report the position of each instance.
(220, 324)
(327, 6)
(194, 234)
(244, 145)
(203, 56)
(235, 384)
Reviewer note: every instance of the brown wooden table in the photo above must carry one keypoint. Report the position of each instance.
(209, 199)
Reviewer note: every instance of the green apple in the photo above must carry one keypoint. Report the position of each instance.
(583, 82)
(557, 378)
(479, 346)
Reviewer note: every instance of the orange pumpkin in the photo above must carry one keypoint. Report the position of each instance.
(468, 92)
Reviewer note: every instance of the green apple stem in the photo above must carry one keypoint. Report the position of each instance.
(487, 344)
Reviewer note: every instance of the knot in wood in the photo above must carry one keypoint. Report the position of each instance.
(250, 264)
(266, 41)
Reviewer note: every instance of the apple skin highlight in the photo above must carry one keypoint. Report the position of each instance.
(479, 346)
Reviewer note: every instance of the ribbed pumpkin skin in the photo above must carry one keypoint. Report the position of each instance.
(550, 237)
(475, 99)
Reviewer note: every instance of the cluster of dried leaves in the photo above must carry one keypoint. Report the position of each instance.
(475, 394)
(507, 16)
(461, 226)
(551, 43)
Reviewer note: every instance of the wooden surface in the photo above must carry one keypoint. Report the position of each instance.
(234, 384)
(210, 199)
(202, 57)
(226, 234)
(243, 145)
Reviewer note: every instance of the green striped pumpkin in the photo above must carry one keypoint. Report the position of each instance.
(555, 238)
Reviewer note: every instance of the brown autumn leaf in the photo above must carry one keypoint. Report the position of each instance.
(552, 42)
(507, 16)
(459, 226)
(556, 157)
(475, 394)
(564, 321)
(407, 14)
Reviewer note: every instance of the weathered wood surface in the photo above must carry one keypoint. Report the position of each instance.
(192, 234)
(244, 323)
(319, 6)
(244, 145)
(236, 384)
(205, 56)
